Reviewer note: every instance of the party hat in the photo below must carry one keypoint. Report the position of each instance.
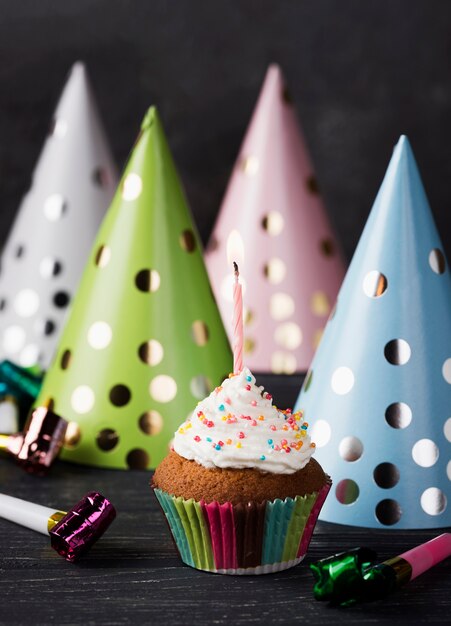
(144, 339)
(379, 389)
(48, 245)
(292, 268)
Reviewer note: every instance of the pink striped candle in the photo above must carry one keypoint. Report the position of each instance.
(237, 323)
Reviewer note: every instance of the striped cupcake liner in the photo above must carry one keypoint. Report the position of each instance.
(252, 538)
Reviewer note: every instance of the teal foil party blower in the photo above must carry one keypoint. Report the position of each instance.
(353, 576)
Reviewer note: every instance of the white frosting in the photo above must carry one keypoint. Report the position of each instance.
(237, 426)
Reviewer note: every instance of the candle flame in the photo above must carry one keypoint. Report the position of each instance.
(235, 249)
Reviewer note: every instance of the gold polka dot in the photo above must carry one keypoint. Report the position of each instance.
(138, 459)
(151, 422)
(49, 403)
(66, 359)
(131, 187)
(283, 363)
(147, 280)
(163, 388)
(103, 256)
(99, 335)
(317, 335)
(286, 96)
(327, 247)
(273, 223)
(275, 270)
(308, 380)
(199, 332)
(248, 316)
(249, 165)
(73, 435)
(200, 386)
(249, 345)
(320, 304)
(151, 352)
(288, 336)
(281, 306)
(188, 241)
(107, 439)
(120, 395)
(82, 399)
(312, 185)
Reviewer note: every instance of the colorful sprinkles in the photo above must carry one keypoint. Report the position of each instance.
(290, 424)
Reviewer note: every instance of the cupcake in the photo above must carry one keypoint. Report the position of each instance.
(240, 489)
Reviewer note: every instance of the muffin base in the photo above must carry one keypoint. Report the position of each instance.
(243, 539)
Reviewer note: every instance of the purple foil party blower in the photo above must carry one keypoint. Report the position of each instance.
(72, 533)
(36, 448)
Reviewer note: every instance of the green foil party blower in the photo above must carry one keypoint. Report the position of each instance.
(353, 576)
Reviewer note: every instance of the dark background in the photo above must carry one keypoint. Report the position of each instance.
(361, 73)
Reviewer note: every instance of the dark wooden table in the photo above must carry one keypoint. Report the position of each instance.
(134, 575)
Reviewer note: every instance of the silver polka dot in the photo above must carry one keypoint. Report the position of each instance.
(320, 433)
(347, 491)
(433, 501)
(446, 370)
(82, 399)
(54, 207)
(350, 449)
(386, 475)
(448, 470)
(397, 352)
(437, 261)
(447, 429)
(374, 284)
(288, 335)
(398, 415)
(163, 388)
(50, 267)
(342, 380)
(388, 512)
(29, 355)
(26, 303)
(281, 362)
(131, 187)
(14, 339)
(99, 335)
(425, 453)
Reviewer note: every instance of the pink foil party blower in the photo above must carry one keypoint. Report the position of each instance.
(37, 447)
(353, 576)
(71, 534)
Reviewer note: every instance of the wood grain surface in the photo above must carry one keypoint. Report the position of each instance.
(133, 575)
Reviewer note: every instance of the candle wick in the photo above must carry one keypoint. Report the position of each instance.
(236, 270)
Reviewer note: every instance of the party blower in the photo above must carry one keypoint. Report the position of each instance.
(353, 576)
(37, 447)
(71, 534)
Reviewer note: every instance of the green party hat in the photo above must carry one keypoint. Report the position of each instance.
(144, 340)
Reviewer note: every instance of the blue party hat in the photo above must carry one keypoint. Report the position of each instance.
(378, 392)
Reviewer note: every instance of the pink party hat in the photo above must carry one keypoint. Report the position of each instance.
(291, 266)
